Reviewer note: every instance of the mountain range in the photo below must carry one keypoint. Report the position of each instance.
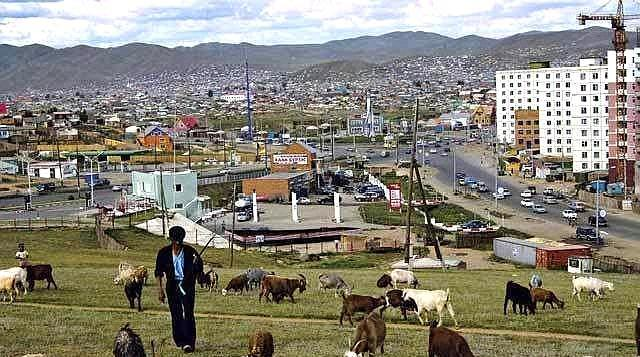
(39, 66)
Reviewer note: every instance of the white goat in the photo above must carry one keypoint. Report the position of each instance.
(594, 286)
(8, 286)
(19, 274)
(403, 276)
(428, 300)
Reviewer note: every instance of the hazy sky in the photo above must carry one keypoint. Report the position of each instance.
(62, 23)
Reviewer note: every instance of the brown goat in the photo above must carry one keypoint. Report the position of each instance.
(369, 336)
(359, 303)
(384, 281)
(260, 344)
(547, 297)
(237, 284)
(40, 272)
(446, 343)
(280, 287)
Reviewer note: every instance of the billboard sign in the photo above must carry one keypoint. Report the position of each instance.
(290, 159)
(395, 196)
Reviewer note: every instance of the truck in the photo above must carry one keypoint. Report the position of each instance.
(95, 180)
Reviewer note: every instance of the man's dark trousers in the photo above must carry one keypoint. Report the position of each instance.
(181, 306)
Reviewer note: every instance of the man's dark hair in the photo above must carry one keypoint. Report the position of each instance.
(176, 234)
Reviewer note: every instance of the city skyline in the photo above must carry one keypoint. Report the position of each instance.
(100, 23)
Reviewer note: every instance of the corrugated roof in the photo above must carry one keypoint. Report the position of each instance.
(281, 175)
(518, 241)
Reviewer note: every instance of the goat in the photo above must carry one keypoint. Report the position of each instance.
(594, 286)
(208, 279)
(128, 344)
(369, 336)
(255, 275)
(8, 286)
(20, 276)
(394, 299)
(40, 272)
(333, 281)
(359, 303)
(446, 343)
(133, 291)
(384, 281)
(519, 295)
(403, 276)
(427, 300)
(280, 287)
(536, 281)
(127, 271)
(546, 296)
(260, 344)
(237, 284)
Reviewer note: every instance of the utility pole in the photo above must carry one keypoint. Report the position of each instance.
(188, 147)
(59, 163)
(333, 152)
(233, 224)
(453, 184)
(407, 242)
(162, 205)
(77, 170)
(155, 152)
(397, 148)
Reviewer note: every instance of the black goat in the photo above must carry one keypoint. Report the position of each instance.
(128, 344)
(521, 296)
(133, 291)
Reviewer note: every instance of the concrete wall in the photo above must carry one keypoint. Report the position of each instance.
(273, 189)
(605, 202)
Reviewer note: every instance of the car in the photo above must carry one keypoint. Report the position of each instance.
(474, 224)
(536, 208)
(116, 188)
(350, 161)
(460, 175)
(586, 233)
(408, 151)
(505, 191)
(577, 206)
(548, 191)
(550, 200)
(304, 200)
(461, 182)
(444, 154)
(532, 189)
(224, 171)
(244, 216)
(569, 214)
(367, 196)
(525, 194)
(349, 149)
(482, 187)
(526, 202)
(499, 196)
(433, 151)
(46, 187)
(602, 222)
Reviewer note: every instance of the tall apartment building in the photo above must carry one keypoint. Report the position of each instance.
(572, 106)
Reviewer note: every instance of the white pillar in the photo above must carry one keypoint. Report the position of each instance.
(294, 208)
(336, 207)
(255, 207)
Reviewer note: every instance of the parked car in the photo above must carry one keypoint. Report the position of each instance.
(532, 189)
(569, 214)
(586, 233)
(474, 224)
(444, 154)
(482, 187)
(536, 208)
(550, 200)
(602, 221)
(433, 151)
(304, 200)
(367, 196)
(224, 172)
(117, 188)
(46, 187)
(548, 191)
(505, 191)
(460, 175)
(243, 216)
(577, 206)
(499, 196)
(526, 202)
(328, 200)
(525, 194)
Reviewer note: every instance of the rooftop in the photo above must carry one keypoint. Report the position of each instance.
(281, 176)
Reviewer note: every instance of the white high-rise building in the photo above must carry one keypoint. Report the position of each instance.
(572, 109)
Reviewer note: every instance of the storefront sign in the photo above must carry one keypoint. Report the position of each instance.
(290, 159)
(395, 196)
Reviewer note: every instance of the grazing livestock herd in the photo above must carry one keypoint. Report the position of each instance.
(370, 332)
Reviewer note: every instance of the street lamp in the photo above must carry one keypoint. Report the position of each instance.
(92, 182)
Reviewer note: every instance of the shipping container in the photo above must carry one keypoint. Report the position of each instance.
(551, 257)
(515, 250)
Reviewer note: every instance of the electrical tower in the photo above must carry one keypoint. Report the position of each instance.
(618, 148)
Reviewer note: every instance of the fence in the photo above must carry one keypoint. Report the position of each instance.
(614, 264)
(47, 223)
(231, 177)
(476, 240)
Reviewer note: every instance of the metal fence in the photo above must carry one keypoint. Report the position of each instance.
(231, 177)
(47, 223)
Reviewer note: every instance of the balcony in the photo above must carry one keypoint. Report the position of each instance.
(622, 144)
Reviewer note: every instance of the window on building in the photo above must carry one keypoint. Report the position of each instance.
(596, 155)
(567, 122)
(559, 150)
(549, 141)
(584, 155)
(594, 87)
(567, 103)
(568, 75)
(583, 121)
(549, 114)
(583, 98)
(558, 122)
(179, 205)
(594, 76)
(558, 113)
(568, 131)
(178, 187)
(585, 166)
(548, 104)
(584, 133)
(583, 88)
(583, 110)
(595, 110)
(557, 85)
(548, 86)
(549, 132)
(583, 76)
(596, 133)
(596, 166)
(596, 143)
(583, 144)
(548, 76)
(549, 150)
(559, 132)
(569, 141)
(568, 149)
(558, 141)
(596, 98)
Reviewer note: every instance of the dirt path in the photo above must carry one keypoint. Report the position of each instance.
(473, 331)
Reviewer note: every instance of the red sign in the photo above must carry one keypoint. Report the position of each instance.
(395, 196)
(3, 108)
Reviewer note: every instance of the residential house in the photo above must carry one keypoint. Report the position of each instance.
(157, 138)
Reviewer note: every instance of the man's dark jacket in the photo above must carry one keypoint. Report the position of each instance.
(192, 265)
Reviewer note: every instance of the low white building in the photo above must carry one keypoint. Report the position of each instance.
(51, 169)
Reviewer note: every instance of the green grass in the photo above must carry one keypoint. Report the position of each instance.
(378, 213)
(84, 275)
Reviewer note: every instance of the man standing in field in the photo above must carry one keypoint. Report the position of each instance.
(180, 264)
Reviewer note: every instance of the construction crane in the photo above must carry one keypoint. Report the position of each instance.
(618, 148)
